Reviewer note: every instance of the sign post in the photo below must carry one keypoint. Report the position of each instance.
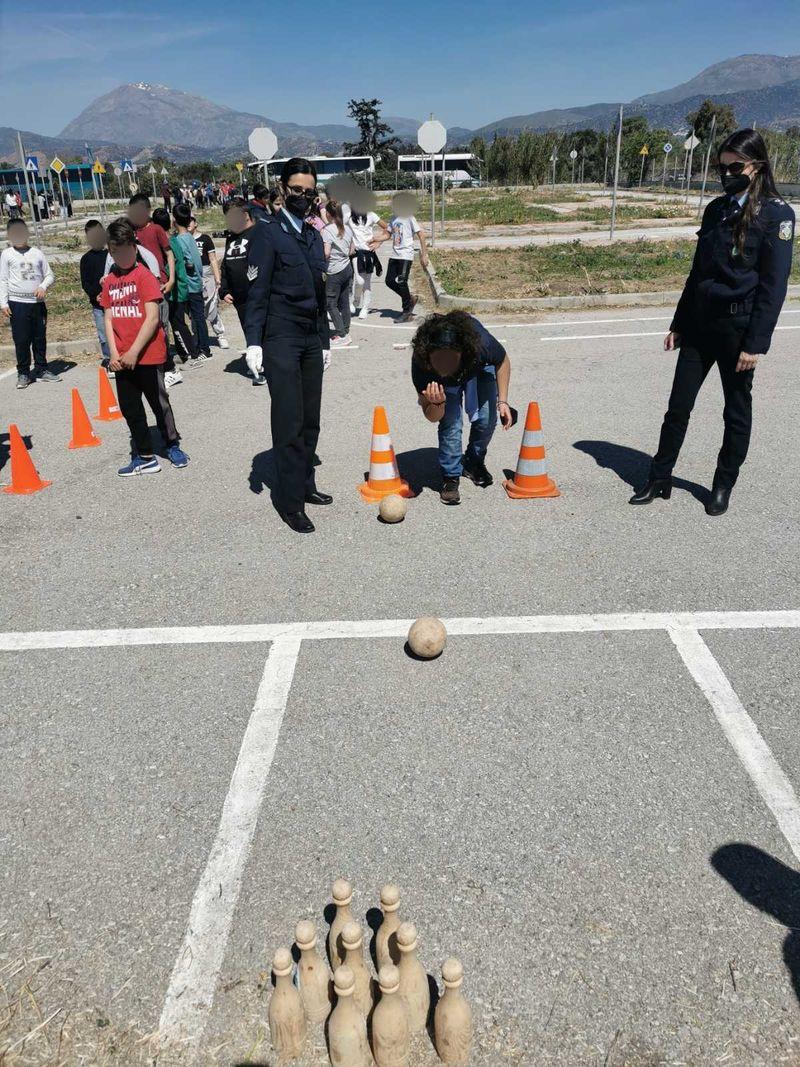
(99, 170)
(690, 144)
(30, 165)
(573, 156)
(667, 150)
(151, 170)
(432, 138)
(616, 176)
(118, 176)
(263, 144)
(58, 167)
(644, 152)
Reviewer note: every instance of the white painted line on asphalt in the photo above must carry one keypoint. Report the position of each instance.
(603, 336)
(194, 976)
(8, 373)
(742, 733)
(20, 641)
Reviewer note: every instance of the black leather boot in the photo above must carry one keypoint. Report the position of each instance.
(717, 503)
(654, 487)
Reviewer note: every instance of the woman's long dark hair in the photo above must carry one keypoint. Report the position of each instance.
(749, 144)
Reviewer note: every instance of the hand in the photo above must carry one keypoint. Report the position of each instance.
(114, 364)
(7, 312)
(254, 359)
(434, 393)
(424, 262)
(40, 294)
(167, 287)
(504, 411)
(227, 299)
(747, 361)
(127, 361)
(672, 341)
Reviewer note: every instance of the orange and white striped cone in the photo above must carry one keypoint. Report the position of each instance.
(384, 477)
(531, 479)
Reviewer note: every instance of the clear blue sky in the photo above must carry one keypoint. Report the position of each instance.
(466, 61)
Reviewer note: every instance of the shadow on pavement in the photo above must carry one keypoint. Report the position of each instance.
(5, 447)
(237, 366)
(420, 467)
(770, 886)
(632, 465)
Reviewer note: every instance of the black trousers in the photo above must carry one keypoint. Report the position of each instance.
(184, 339)
(197, 313)
(720, 344)
(29, 333)
(132, 385)
(293, 368)
(397, 280)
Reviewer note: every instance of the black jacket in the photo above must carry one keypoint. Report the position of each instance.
(287, 274)
(233, 269)
(724, 282)
(93, 267)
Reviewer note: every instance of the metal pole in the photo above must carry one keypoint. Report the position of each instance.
(154, 185)
(99, 202)
(605, 164)
(61, 201)
(616, 177)
(689, 166)
(664, 175)
(443, 167)
(37, 222)
(641, 171)
(433, 202)
(80, 180)
(705, 168)
(103, 197)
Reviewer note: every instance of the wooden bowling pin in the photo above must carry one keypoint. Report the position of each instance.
(353, 945)
(413, 979)
(390, 1033)
(314, 978)
(287, 1022)
(452, 1019)
(342, 898)
(347, 1027)
(386, 949)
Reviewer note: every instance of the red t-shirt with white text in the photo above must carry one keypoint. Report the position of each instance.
(155, 240)
(126, 295)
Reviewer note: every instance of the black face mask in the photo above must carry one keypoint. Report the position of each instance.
(735, 184)
(298, 205)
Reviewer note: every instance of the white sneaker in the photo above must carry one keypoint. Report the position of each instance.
(340, 342)
(172, 377)
(223, 341)
(352, 308)
(363, 312)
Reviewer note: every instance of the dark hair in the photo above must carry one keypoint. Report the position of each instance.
(259, 191)
(92, 224)
(15, 222)
(334, 210)
(297, 165)
(139, 198)
(358, 217)
(749, 144)
(182, 214)
(235, 201)
(161, 218)
(454, 330)
(121, 232)
(275, 194)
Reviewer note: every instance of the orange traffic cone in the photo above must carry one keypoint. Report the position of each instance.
(83, 436)
(109, 408)
(384, 477)
(24, 476)
(530, 479)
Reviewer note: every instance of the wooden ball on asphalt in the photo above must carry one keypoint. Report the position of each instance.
(427, 637)
(393, 508)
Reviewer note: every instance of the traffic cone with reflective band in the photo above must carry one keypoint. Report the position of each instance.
(83, 436)
(384, 477)
(24, 476)
(109, 408)
(530, 479)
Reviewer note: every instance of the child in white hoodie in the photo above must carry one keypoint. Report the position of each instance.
(25, 277)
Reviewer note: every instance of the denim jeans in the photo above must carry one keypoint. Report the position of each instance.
(481, 431)
(100, 325)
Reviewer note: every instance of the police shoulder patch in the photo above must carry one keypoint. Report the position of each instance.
(785, 230)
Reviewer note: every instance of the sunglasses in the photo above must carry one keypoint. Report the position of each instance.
(300, 190)
(736, 168)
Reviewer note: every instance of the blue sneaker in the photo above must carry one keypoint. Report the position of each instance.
(177, 456)
(139, 465)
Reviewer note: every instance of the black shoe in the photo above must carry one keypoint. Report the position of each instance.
(449, 493)
(477, 473)
(318, 498)
(653, 488)
(717, 503)
(298, 521)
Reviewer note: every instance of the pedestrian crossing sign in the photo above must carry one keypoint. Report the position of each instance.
(32, 164)
(98, 167)
(127, 166)
(57, 165)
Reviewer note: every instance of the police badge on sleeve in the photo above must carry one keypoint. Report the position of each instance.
(785, 230)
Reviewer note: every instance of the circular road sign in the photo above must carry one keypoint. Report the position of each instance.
(431, 136)
(573, 154)
(262, 142)
(117, 171)
(668, 148)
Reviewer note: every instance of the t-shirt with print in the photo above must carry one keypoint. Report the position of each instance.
(191, 260)
(339, 258)
(125, 293)
(204, 245)
(155, 240)
(362, 230)
(403, 232)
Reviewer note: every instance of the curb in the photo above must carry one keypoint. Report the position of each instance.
(552, 303)
(61, 348)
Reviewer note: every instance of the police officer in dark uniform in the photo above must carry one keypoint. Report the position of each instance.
(727, 311)
(286, 329)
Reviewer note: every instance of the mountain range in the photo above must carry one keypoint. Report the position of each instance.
(144, 121)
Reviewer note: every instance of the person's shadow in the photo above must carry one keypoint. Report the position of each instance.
(770, 886)
(420, 468)
(5, 447)
(632, 466)
(263, 474)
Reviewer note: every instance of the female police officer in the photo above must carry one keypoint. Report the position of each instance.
(286, 330)
(727, 312)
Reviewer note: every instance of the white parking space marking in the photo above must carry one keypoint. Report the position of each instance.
(194, 976)
(605, 336)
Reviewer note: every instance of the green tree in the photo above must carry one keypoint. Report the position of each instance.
(375, 136)
(702, 118)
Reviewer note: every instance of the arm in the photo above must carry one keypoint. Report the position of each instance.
(47, 280)
(503, 381)
(224, 291)
(432, 400)
(261, 264)
(4, 286)
(683, 310)
(85, 280)
(381, 238)
(774, 267)
(169, 284)
(114, 363)
(214, 262)
(146, 333)
(423, 250)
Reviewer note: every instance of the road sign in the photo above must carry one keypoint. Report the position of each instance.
(151, 169)
(57, 165)
(134, 187)
(573, 154)
(263, 143)
(134, 167)
(32, 164)
(240, 167)
(98, 167)
(125, 166)
(691, 142)
(164, 172)
(644, 150)
(667, 148)
(117, 171)
(432, 136)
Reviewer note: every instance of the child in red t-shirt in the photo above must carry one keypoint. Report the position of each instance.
(130, 296)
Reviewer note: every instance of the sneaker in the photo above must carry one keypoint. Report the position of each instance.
(223, 341)
(23, 381)
(363, 312)
(177, 456)
(172, 377)
(140, 465)
(449, 493)
(340, 342)
(195, 361)
(49, 376)
(477, 473)
(259, 379)
(353, 308)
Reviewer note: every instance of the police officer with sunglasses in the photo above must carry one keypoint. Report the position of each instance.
(286, 329)
(727, 311)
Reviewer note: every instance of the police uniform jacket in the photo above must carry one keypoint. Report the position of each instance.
(287, 273)
(725, 282)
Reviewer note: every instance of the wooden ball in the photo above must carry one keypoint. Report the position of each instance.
(427, 637)
(393, 508)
